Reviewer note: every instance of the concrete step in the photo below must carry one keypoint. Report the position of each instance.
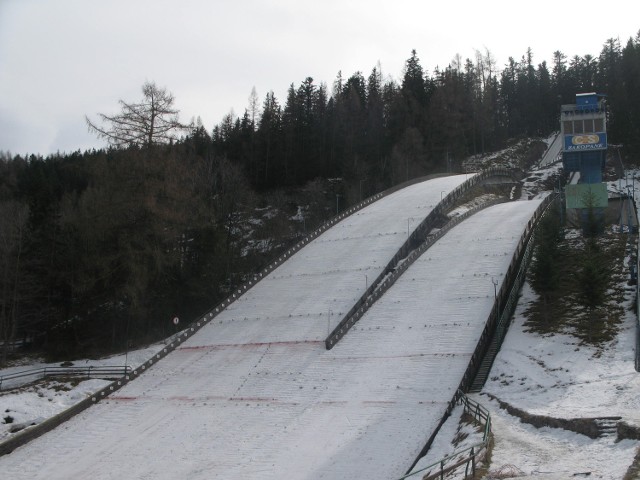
(608, 426)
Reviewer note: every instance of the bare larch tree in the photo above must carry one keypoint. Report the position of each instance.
(152, 121)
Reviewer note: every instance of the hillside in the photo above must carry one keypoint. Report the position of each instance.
(544, 375)
(550, 382)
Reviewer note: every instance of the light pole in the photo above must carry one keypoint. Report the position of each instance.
(408, 220)
(126, 348)
(495, 297)
(363, 180)
(407, 165)
(366, 282)
(337, 202)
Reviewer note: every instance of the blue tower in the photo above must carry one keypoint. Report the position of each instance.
(584, 134)
(584, 150)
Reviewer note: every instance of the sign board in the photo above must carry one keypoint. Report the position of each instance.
(583, 194)
(585, 141)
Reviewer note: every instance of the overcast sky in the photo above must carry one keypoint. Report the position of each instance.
(62, 59)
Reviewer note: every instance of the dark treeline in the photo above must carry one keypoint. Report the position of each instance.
(104, 246)
(378, 133)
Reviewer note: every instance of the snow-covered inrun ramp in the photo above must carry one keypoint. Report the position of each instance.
(255, 395)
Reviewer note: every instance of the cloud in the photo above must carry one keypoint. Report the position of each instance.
(64, 59)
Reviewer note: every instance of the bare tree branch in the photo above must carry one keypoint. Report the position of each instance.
(152, 121)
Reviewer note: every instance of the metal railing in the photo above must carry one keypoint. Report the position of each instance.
(199, 322)
(399, 265)
(17, 379)
(637, 353)
(502, 296)
(492, 321)
(418, 242)
(467, 457)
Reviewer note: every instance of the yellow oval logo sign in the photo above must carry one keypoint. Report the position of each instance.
(585, 139)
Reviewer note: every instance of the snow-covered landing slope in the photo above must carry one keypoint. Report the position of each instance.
(312, 290)
(258, 396)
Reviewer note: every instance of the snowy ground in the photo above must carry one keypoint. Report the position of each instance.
(554, 376)
(33, 403)
(255, 395)
(542, 375)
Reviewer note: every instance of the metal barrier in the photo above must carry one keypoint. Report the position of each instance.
(29, 434)
(492, 321)
(418, 242)
(10, 380)
(504, 310)
(35, 431)
(398, 265)
(501, 296)
(637, 356)
(470, 456)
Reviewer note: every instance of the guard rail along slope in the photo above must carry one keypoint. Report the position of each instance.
(35, 431)
(637, 356)
(390, 275)
(470, 456)
(17, 379)
(489, 330)
(505, 308)
(415, 245)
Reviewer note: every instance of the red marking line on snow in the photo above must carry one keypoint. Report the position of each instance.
(412, 355)
(123, 399)
(182, 398)
(254, 345)
(261, 400)
(252, 399)
(204, 398)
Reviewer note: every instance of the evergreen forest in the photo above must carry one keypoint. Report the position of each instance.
(100, 249)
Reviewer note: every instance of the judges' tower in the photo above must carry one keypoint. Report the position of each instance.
(583, 128)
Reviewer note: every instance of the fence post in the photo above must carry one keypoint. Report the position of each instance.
(473, 462)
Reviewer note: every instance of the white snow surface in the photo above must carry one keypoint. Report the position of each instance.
(554, 148)
(557, 376)
(33, 403)
(255, 395)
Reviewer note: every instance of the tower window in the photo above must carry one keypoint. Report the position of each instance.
(567, 126)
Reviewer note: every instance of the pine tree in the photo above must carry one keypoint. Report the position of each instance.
(269, 141)
(593, 279)
(545, 271)
(627, 112)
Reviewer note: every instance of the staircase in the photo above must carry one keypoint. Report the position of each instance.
(485, 366)
(607, 426)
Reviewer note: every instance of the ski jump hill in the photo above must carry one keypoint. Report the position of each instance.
(252, 391)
